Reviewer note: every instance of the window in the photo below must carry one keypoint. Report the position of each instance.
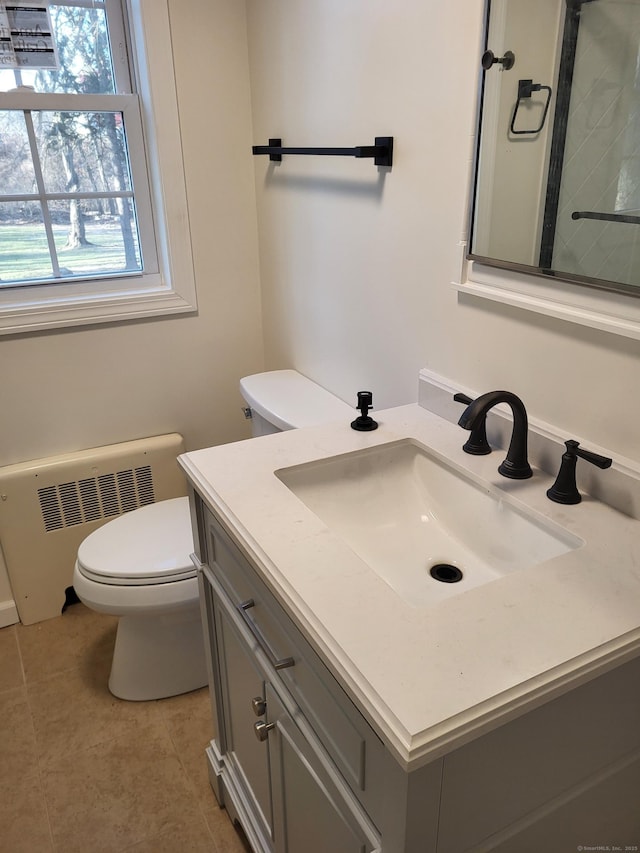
(83, 236)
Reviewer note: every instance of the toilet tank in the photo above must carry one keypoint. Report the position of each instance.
(285, 399)
(260, 425)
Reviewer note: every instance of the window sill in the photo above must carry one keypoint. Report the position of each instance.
(61, 313)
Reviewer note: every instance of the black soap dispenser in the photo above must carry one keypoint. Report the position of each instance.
(364, 423)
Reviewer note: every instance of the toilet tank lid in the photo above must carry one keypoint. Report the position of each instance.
(289, 400)
(152, 543)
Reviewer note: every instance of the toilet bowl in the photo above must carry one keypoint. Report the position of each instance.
(138, 566)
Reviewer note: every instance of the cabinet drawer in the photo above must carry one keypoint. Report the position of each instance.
(343, 731)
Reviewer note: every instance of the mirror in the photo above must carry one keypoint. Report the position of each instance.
(557, 183)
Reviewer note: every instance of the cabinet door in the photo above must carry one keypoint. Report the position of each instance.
(313, 810)
(246, 760)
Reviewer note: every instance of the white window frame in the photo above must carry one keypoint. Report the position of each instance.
(165, 287)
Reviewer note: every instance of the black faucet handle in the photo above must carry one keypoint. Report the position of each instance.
(595, 458)
(364, 423)
(477, 443)
(565, 490)
(459, 397)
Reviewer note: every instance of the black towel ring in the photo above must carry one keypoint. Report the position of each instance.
(525, 88)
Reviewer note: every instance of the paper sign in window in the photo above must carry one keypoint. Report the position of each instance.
(26, 37)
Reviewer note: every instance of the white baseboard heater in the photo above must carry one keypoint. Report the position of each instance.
(48, 506)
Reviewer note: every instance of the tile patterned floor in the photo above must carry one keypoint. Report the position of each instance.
(83, 771)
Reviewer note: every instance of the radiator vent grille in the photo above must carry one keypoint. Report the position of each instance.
(50, 505)
(94, 498)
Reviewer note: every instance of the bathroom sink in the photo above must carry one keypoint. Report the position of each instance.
(427, 528)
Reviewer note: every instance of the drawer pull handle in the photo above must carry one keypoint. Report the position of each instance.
(262, 729)
(259, 706)
(276, 663)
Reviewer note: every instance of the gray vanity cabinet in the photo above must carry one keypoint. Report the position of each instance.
(308, 759)
(297, 764)
(268, 765)
(242, 686)
(311, 813)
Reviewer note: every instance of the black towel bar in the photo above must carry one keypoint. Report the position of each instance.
(608, 217)
(381, 152)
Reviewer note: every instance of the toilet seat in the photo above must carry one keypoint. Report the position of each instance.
(151, 545)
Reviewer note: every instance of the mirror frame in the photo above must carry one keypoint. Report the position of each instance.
(522, 269)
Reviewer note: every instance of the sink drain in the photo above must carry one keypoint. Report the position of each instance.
(445, 573)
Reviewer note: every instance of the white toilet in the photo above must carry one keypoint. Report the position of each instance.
(138, 566)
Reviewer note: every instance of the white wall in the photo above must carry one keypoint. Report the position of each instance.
(514, 191)
(355, 269)
(68, 390)
(351, 259)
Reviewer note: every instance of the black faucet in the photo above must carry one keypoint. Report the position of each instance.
(515, 465)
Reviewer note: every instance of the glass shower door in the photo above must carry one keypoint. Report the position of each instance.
(592, 218)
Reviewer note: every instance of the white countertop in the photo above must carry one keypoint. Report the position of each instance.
(429, 679)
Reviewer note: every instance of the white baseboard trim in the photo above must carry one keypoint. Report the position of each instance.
(8, 613)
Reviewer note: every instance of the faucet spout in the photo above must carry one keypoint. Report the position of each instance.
(515, 464)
